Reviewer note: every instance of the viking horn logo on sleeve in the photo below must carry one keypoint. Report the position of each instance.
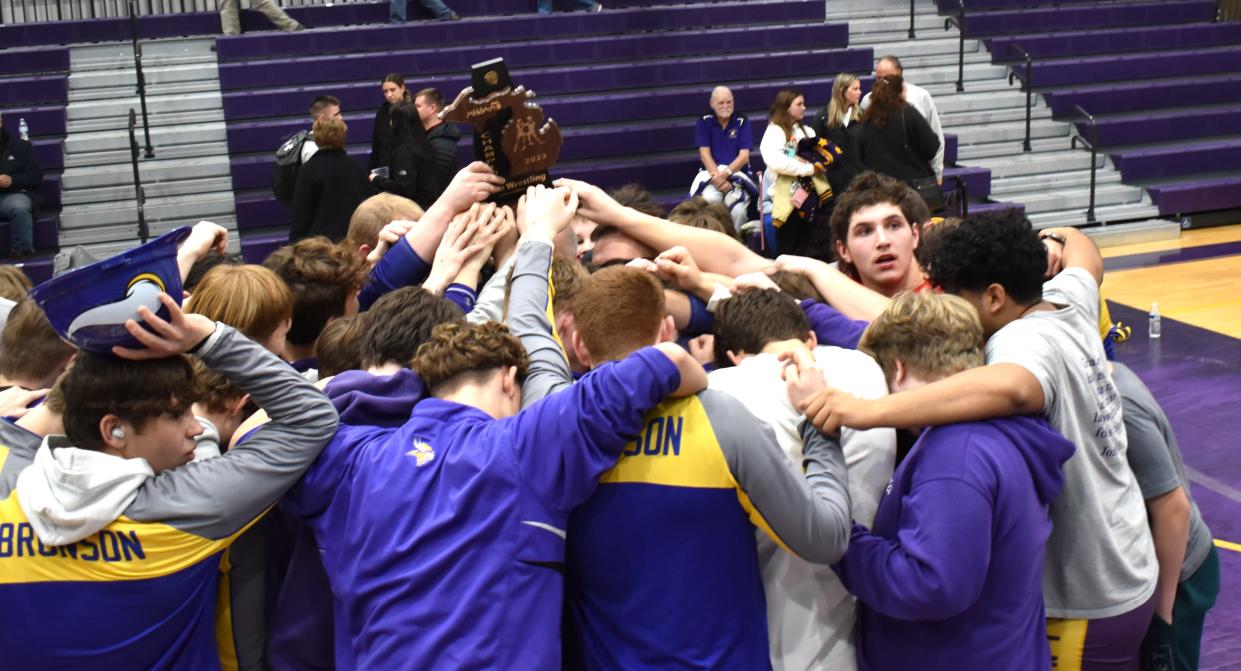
(143, 289)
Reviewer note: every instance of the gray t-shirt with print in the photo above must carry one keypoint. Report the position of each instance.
(1100, 560)
(1156, 461)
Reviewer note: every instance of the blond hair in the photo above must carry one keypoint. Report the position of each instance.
(330, 132)
(934, 335)
(837, 107)
(376, 212)
(251, 299)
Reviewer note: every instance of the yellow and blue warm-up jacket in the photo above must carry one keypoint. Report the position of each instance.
(662, 561)
(141, 593)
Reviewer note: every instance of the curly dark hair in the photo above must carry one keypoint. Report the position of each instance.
(750, 320)
(322, 276)
(459, 347)
(136, 391)
(993, 248)
(400, 322)
(869, 189)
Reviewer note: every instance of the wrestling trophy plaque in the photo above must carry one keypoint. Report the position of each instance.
(509, 132)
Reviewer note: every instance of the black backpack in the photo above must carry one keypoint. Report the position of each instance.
(288, 162)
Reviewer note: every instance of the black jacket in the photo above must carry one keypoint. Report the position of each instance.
(381, 138)
(902, 148)
(443, 139)
(17, 161)
(410, 174)
(330, 186)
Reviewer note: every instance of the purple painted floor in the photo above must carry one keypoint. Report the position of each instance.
(1196, 376)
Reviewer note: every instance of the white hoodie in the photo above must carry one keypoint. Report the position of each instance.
(70, 493)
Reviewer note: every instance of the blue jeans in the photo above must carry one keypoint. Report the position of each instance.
(17, 208)
(545, 6)
(396, 12)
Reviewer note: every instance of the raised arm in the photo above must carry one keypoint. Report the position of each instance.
(849, 297)
(716, 252)
(1079, 251)
(472, 184)
(563, 443)
(219, 497)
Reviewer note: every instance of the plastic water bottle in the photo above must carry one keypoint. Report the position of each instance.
(23, 129)
(1156, 325)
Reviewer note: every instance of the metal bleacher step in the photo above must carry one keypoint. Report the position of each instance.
(121, 157)
(157, 77)
(154, 188)
(161, 136)
(1076, 216)
(1017, 164)
(95, 217)
(158, 52)
(159, 168)
(1047, 200)
(1006, 189)
(159, 106)
(153, 90)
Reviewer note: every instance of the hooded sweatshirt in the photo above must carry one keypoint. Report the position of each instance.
(302, 628)
(444, 539)
(950, 576)
(139, 590)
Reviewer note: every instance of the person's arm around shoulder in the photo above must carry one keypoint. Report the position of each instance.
(853, 300)
(218, 497)
(563, 443)
(994, 390)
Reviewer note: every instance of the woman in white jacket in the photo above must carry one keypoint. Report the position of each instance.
(779, 151)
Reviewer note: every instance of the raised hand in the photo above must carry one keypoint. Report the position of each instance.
(547, 212)
(802, 377)
(179, 334)
(594, 203)
(388, 236)
(472, 184)
(204, 237)
(676, 265)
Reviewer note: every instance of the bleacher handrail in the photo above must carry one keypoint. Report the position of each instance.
(1027, 85)
(142, 82)
(139, 192)
(1093, 143)
(959, 22)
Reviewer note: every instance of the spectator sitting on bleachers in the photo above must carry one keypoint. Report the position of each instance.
(441, 11)
(724, 140)
(394, 91)
(230, 16)
(919, 98)
(545, 6)
(443, 138)
(20, 176)
(896, 140)
(329, 187)
(838, 123)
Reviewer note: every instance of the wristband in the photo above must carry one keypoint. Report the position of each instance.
(1051, 235)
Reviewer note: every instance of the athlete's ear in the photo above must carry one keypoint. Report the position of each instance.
(812, 340)
(579, 349)
(112, 431)
(734, 357)
(667, 330)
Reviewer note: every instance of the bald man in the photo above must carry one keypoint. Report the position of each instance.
(724, 140)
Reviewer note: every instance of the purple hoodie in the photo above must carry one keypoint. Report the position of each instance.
(302, 629)
(950, 577)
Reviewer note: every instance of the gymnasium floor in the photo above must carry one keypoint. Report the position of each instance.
(1194, 371)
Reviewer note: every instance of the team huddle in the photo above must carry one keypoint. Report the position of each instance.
(451, 443)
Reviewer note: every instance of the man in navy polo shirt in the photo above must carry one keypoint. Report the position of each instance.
(724, 140)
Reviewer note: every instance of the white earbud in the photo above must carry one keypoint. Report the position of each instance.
(118, 433)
